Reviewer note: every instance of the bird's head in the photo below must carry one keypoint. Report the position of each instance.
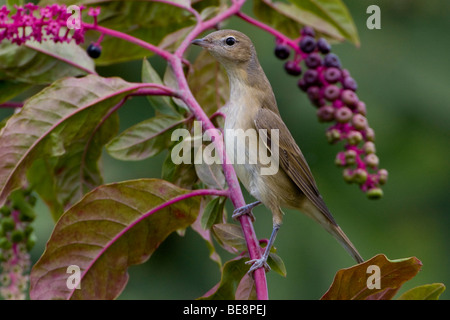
(231, 48)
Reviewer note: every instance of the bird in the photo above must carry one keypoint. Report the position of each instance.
(252, 105)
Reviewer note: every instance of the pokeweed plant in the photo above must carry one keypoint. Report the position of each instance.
(51, 146)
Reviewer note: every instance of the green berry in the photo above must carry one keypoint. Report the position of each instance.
(17, 236)
(5, 243)
(8, 224)
(374, 193)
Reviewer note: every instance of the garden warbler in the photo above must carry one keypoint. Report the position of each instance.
(252, 105)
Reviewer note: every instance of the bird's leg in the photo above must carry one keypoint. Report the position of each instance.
(262, 262)
(245, 210)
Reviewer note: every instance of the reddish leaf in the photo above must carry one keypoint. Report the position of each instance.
(359, 282)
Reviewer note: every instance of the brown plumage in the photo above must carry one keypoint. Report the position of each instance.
(252, 105)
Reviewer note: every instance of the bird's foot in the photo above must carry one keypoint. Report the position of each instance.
(245, 210)
(258, 263)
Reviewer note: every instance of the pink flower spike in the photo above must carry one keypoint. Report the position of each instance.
(94, 11)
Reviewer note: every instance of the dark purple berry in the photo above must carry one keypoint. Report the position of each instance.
(331, 92)
(349, 83)
(323, 46)
(332, 60)
(332, 75)
(307, 44)
(325, 113)
(302, 84)
(313, 93)
(308, 31)
(311, 76)
(93, 51)
(313, 60)
(282, 51)
(292, 67)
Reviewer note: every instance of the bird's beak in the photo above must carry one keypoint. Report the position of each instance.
(202, 43)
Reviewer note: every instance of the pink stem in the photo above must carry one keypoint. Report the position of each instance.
(11, 104)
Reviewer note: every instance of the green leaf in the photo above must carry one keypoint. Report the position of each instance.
(230, 235)
(10, 89)
(160, 103)
(327, 13)
(276, 264)
(266, 11)
(182, 175)
(69, 113)
(146, 20)
(232, 273)
(329, 17)
(210, 174)
(425, 292)
(111, 228)
(145, 139)
(351, 283)
(209, 83)
(43, 63)
(213, 212)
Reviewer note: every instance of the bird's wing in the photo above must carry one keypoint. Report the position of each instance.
(291, 158)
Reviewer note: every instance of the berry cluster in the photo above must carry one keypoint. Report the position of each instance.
(16, 240)
(49, 23)
(332, 90)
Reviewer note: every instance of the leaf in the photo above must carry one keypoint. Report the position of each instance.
(330, 12)
(146, 20)
(161, 104)
(111, 228)
(182, 175)
(232, 273)
(10, 89)
(209, 83)
(351, 283)
(329, 17)
(276, 264)
(43, 63)
(213, 213)
(230, 235)
(145, 139)
(69, 113)
(206, 234)
(425, 292)
(210, 174)
(246, 289)
(266, 11)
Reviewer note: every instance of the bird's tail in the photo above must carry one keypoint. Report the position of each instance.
(334, 230)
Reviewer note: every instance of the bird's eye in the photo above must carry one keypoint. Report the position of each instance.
(230, 41)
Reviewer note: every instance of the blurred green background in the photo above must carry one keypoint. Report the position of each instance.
(403, 74)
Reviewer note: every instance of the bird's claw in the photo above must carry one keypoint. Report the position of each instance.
(258, 263)
(241, 211)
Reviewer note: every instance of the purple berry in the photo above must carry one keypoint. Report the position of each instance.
(292, 67)
(349, 83)
(361, 108)
(325, 113)
(323, 46)
(311, 76)
(307, 44)
(308, 31)
(302, 84)
(93, 51)
(313, 93)
(313, 60)
(282, 51)
(332, 75)
(331, 92)
(332, 60)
